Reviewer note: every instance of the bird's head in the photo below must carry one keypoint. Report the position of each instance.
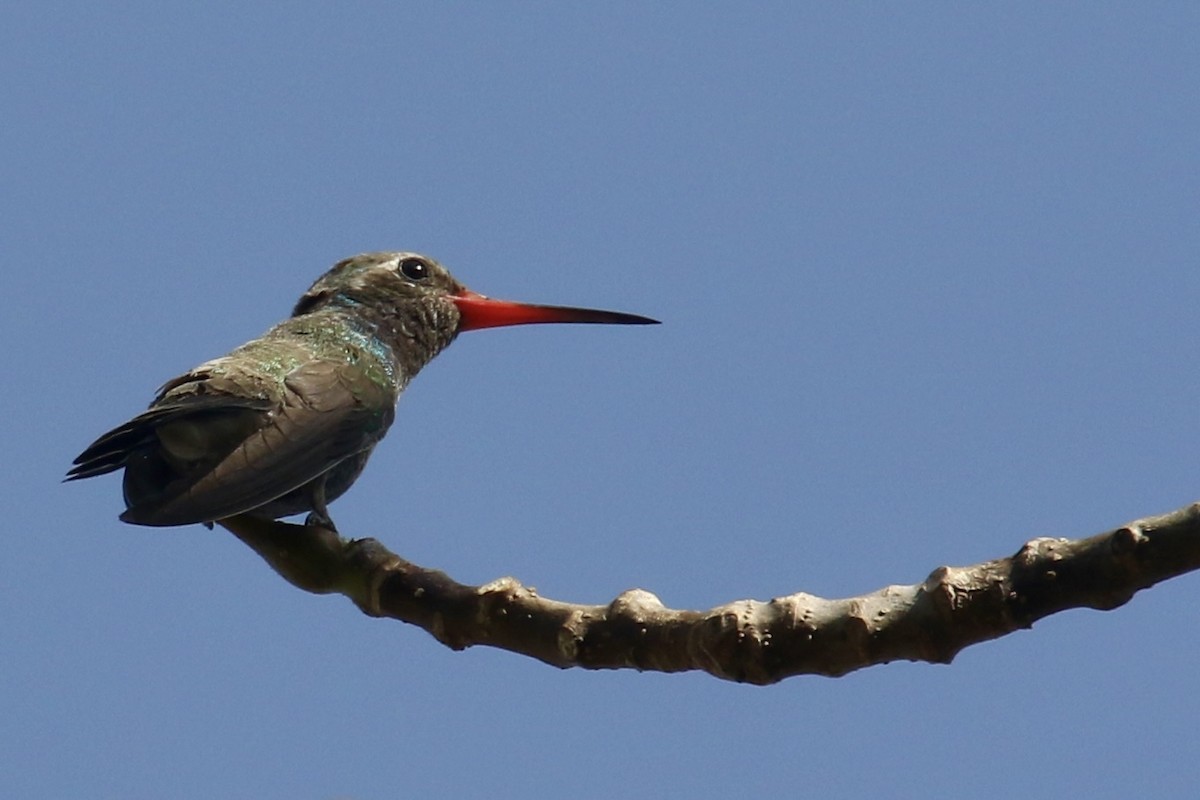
(397, 280)
(380, 280)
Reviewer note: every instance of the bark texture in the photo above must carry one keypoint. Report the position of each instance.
(748, 641)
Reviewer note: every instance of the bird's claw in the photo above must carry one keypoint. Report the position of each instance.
(316, 519)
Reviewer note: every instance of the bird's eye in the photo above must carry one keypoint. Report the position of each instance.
(414, 269)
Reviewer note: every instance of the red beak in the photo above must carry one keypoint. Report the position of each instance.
(483, 312)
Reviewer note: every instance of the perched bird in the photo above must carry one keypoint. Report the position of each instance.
(285, 423)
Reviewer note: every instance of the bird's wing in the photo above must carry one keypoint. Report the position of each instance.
(111, 451)
(325, 417)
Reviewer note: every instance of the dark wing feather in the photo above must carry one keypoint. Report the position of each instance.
(326, 416)
(112, 450)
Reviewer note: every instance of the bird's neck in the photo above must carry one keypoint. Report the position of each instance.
(408, 335)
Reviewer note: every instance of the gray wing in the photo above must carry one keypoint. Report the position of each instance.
(113, 450)
(225, 455)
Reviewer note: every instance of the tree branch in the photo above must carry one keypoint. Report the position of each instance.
(747, 640)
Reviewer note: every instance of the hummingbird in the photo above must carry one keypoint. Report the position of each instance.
(285, 423)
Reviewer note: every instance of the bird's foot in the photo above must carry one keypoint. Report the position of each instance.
(320, 519)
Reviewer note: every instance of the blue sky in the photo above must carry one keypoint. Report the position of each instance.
(927, 275)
